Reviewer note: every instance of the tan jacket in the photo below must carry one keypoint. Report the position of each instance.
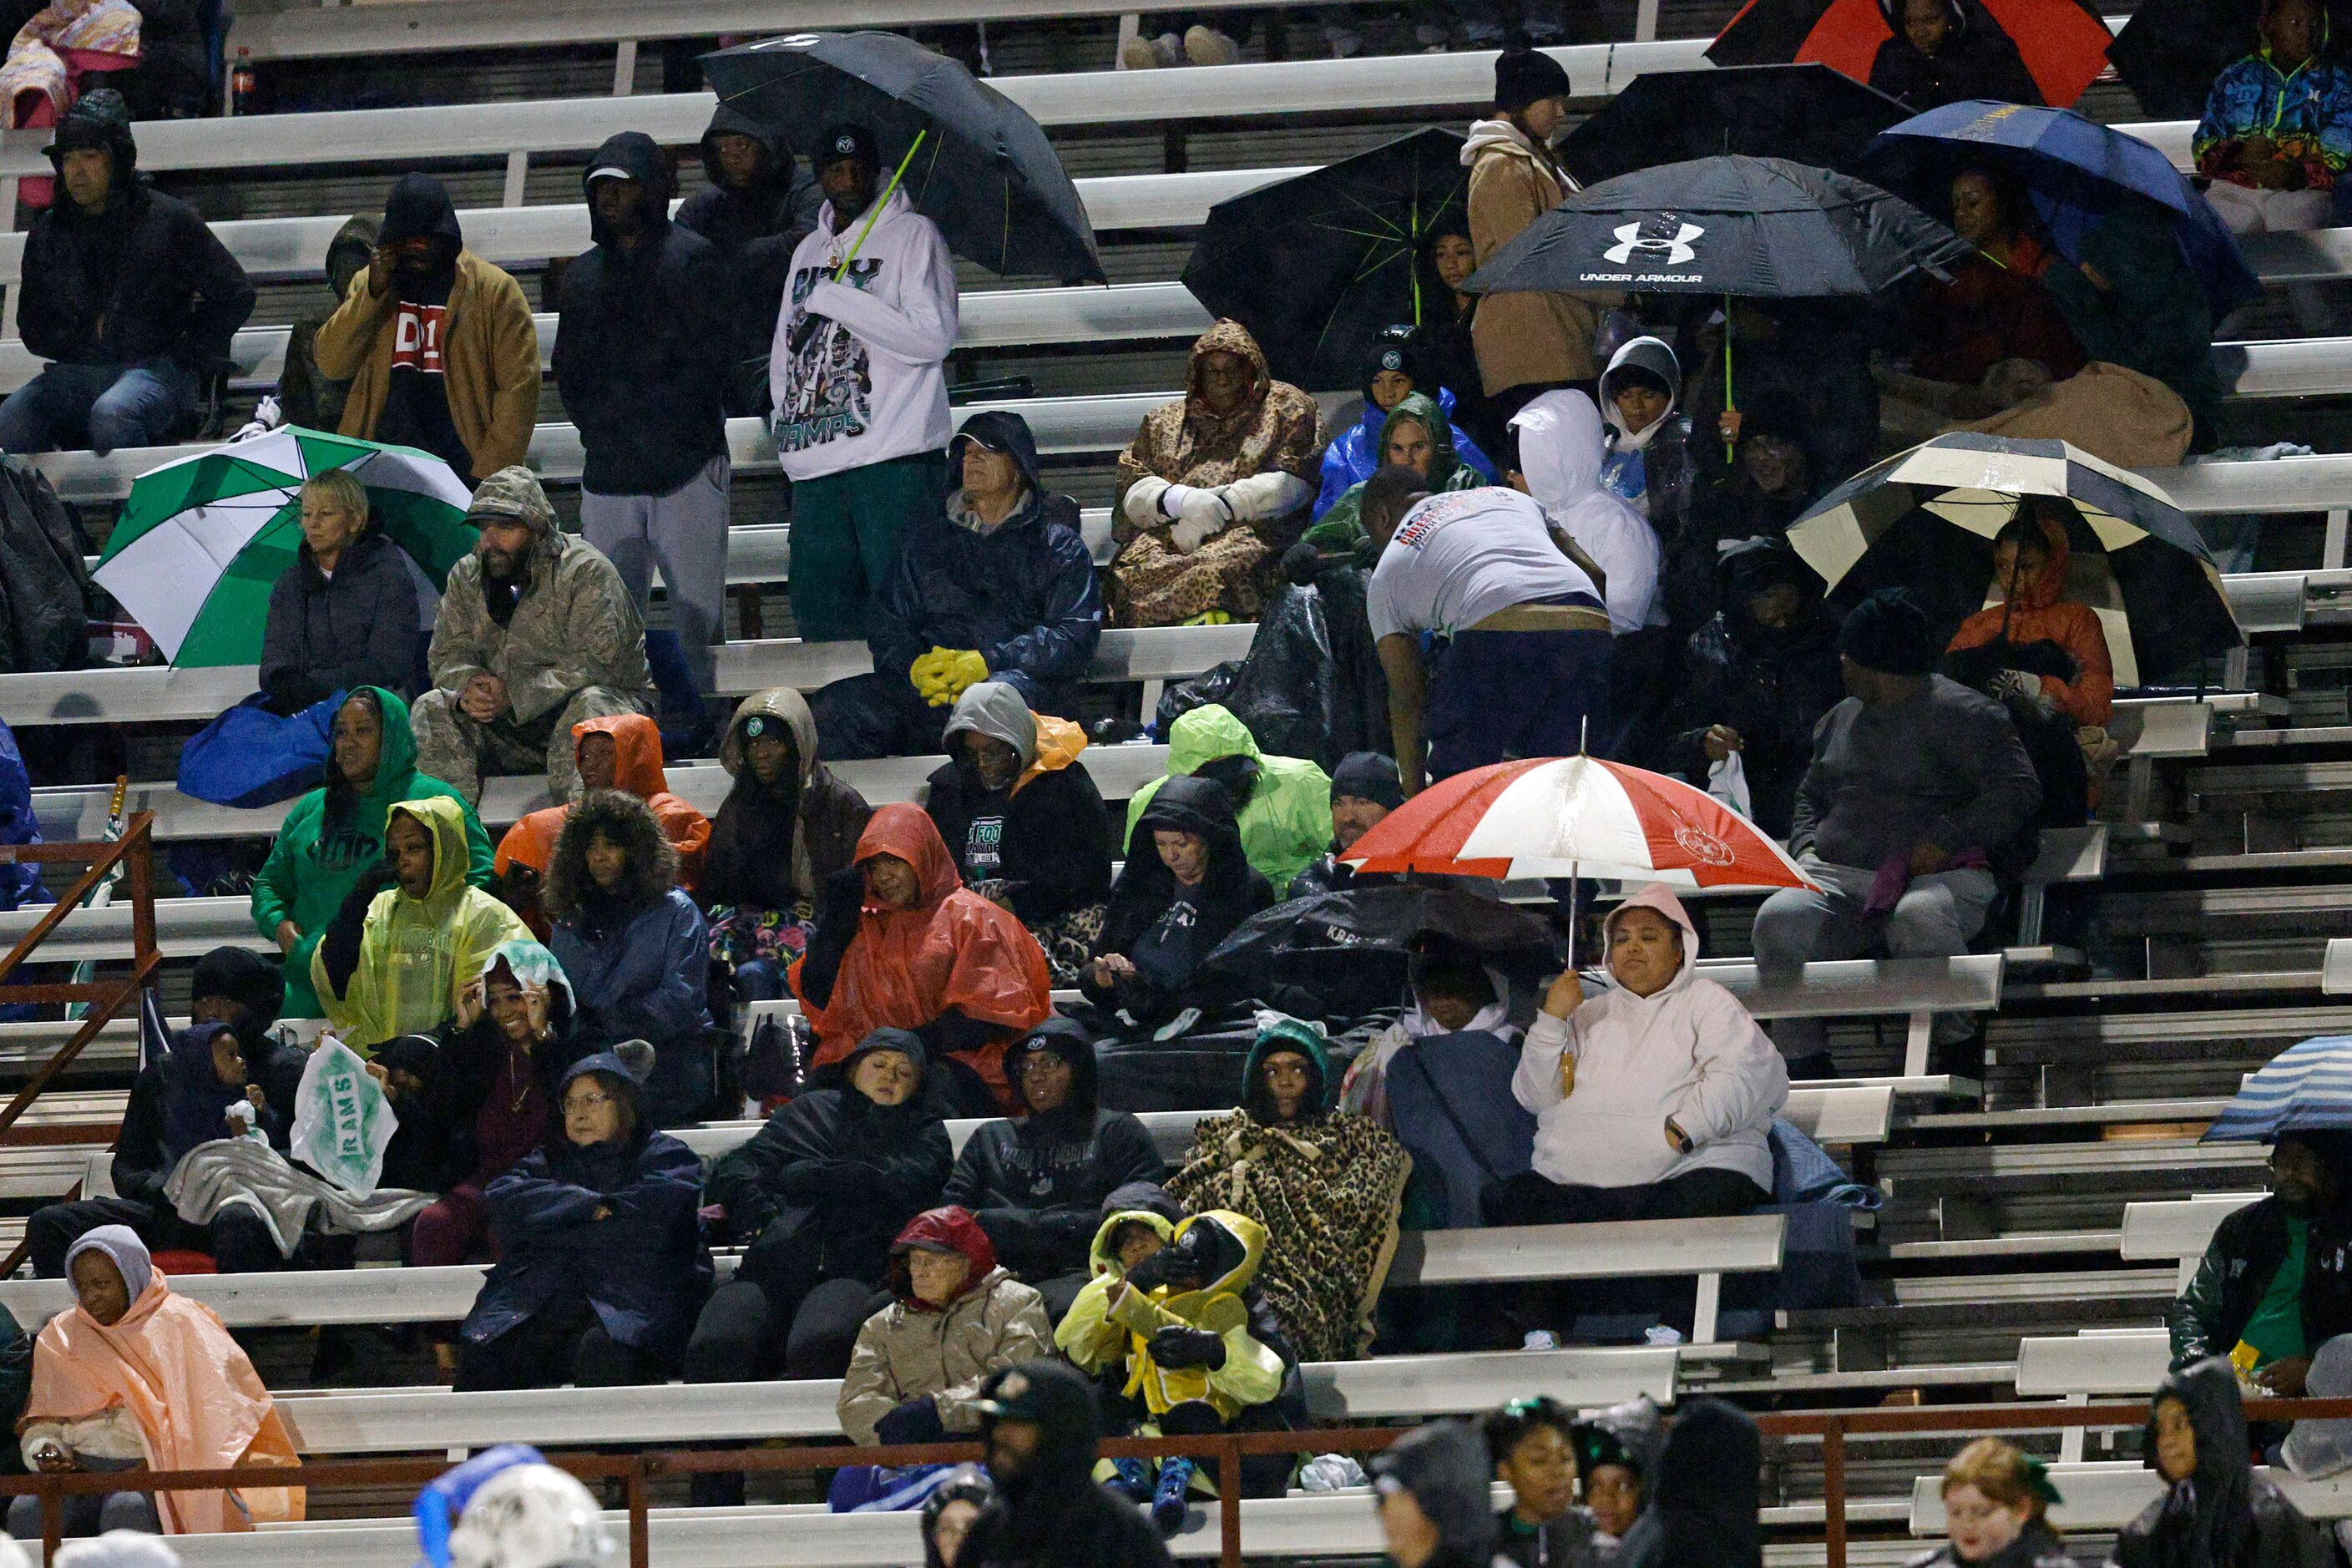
(490, 357)
(1521, 338)
(905, 1354)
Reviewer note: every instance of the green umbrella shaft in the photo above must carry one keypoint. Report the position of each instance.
(872, 217)
(1727, 407)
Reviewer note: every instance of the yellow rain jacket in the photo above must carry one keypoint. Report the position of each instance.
(1098, 1335)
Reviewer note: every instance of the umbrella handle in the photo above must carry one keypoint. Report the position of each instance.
(872, 217)
(1727, 407)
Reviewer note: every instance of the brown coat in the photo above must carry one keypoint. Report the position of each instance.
(1522, 338)
(491, 359)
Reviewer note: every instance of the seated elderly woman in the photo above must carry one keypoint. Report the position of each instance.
(1185, 886)
(601, 1263)
(134, 1375)
(902, 943)
(344, 615)
(1325, 1183)
(1212, 487)
(634, 947)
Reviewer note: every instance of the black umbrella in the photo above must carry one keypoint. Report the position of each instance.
(2171, 50)
(1805, 113)
(969, 158)
(1378, 917)
(1315, 267)
(1760, 228)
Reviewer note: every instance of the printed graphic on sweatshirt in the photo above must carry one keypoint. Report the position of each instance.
(417, 338)
(830, 392)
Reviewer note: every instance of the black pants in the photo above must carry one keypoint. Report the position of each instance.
(238, 1239)
(1529, 1199)
(562, 1343)
(743, 1335)
(1263, 1475)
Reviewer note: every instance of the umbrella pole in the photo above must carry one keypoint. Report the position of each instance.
(1571, 915)
(875, 215)
(1727, 407)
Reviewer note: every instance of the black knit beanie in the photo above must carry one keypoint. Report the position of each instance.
(1525, 75)
(1888, 632)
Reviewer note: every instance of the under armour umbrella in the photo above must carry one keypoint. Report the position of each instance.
(1806, 113)
(1758, 228)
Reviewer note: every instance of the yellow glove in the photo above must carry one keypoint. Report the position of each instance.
(926, 676)
(962, 667)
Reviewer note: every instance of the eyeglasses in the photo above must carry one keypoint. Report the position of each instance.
(585, 1101)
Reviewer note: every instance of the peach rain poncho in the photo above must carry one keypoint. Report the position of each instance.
(197, 1402)
(637, 767)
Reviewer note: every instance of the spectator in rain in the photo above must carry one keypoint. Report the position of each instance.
(819, 1193)
(601, 1263)
(1041, 1433)
(1996, 1511)
(623, 752)
(1449, 990)
(1617, 1453)
(1189, 38)
(2213, 1505)
(411, 935)
(305, 397)
(1326, 1185)
(759, 207)
(786, 828)
(1364, 790)
(1529, 660)
(536, 633)
(1186, 884)
(1036, 1183)
(126, 292)
(640, 359)
(1534, 1448)
(1627, 1127)
(1431, 1488)
(1443, 344)
(958, 1316)
(1395, 373)
(902, 943)
(1705, 1500)
(1528, 341)
(135, 1376)
(1650, 463)
(1755, 679)
(2274, 1276)
(949, 1512)
(344, 615)
(633, 946)
(2133, 304)
(1025, 822)
(857, 375)
(333, 838)
(1915, 783)
(1416, 437)
(1211, 487)
(994, 583)
(1183, 1343)
(1283, 804)
(437, 345)
(1776, 477)
(1802, 368)
(1947, 52)
(1994, 307)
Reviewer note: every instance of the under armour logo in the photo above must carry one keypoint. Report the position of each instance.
(1671, 250)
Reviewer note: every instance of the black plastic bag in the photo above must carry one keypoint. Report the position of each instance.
(1311, 686)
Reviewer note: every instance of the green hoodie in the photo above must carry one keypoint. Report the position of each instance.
(1342, 528)
(1286, 824)
(315, 863)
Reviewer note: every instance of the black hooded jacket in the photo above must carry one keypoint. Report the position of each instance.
(1023, 594)
(1445, 1469)
(1037, 1186)
(1054, 1515)
(1167, 936)
(142, 279)
(826, 1185)
(1700, 1511)
(2222, 1515)
(359, 627)
(641, 348)
(755, 226)
(1977, 60)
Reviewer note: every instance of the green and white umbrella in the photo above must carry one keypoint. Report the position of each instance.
(200, 540)
(1925, 519)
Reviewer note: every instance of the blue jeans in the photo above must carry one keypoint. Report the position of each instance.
(102, 406)
(1498, 695)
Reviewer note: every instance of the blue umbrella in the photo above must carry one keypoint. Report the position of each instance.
(2076, 170)
(2304, 1089)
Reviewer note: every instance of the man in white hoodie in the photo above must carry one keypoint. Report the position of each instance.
(1654, 1100)
(861, 399)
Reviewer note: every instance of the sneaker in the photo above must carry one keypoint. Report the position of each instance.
(1540, 1340)
(1130, 1478)
(1143, 54)
(1211, 618)
(1167, 1499)
(1208, 47)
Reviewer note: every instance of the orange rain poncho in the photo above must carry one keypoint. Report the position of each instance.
(2040, 613)
(952, 949)
(636, 768)
(197, 1401)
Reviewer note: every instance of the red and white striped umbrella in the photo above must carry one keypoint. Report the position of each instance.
(1575, 817)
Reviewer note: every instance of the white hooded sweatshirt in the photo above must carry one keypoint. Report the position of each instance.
(1560, 452)
(1690, 1052)
(868, 385)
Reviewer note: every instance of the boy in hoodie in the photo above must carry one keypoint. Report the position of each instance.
(1183, 1344)
(761, 204)
(1036, 1184)
(408, 937)
(1562, 456)
(1283, 804)
(536, 633)
(1393, 374)
(437, 344)
(2277, 132)
(915, 1375)
(1647, 464)
(641, 360)
(994, 583)
(1042, 1435)
(623, 752)
(126, 292)
(857, 375)
(2214, 1507)
(1528, 662)
(1654, 1100)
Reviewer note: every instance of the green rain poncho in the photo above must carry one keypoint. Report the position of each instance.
(1342, 528)
(1287, 824)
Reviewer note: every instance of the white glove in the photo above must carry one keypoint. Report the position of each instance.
(266, 416)
(2015, 684)
(1261, 496)
(1142, 503)
(1172, 497)
(1202, 505)
(1192, 532)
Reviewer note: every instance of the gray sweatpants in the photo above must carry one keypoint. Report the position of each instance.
(1935, 917)
(684, 532)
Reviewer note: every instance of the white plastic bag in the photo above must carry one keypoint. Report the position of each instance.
(343, 1122)
(1726, 780)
